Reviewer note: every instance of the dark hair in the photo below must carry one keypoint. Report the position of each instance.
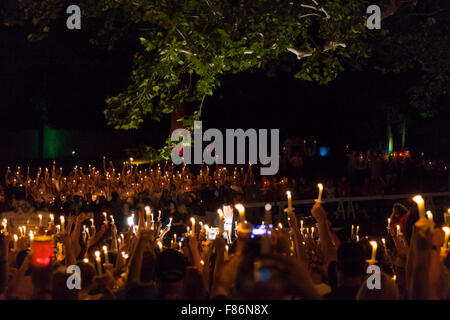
(350, 259)
(171, 266)
(193, 285)
(148, 267)
(88, 272)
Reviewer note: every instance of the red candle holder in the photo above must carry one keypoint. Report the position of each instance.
(42, 251)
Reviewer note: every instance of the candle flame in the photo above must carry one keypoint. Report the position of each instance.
(429, 215)
(374, 244)
(239, 207)
(320, 186)
(418, 199)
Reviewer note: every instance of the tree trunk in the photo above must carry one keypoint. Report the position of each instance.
(178, 113)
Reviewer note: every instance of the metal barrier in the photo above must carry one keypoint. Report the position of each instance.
(349, 201)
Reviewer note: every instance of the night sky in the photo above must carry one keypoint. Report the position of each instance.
(64, 80)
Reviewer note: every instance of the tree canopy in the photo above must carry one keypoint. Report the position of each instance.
(188, 45)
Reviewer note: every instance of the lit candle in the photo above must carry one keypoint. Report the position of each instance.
(447, 235)
(353, 227)
(175, 237)
(399, 231)
(92, 223)
(170, 222)
(220, 212)
(357, 230)
(106, 217)
(301, 226)
(312, 232)
(289, 196)
(86, 260)
(383, 240)
(389, 223)
(105, 251)
(179, 245)
(98, 260)
(193, 226)
(40, 220)
(430, 218)
(159, 215)
(226, 252)
(5, 226)
(112, 220)
(420, 205)
(239, 207)
(320, 186)
(31, 235)
(61, 218)
(52, 218)
(16, 238)
(147, 214)
(374, 251)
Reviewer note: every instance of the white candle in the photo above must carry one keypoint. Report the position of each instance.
(447, 235)
(420, 205)
(399, 231)
(389, 223)
(429, 215)
(241, 209)
(98, 260)
(220, 212)
(16, 238)
(193, 226)
(61, 218)
(105, 251)
(320, 186)
(40, 220)
(374, 251)
(289, 196)
(147, 214)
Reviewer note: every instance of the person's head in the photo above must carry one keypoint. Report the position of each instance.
(262, 277)
(148, 267)
(388, 290)
(87, 271)
(193, 285)
(170, 271)
(60, 290)
(172, 207)
(350, 260)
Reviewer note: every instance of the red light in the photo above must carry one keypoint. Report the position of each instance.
(400, 154)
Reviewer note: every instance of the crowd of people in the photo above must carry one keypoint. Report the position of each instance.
(157, 233)
(368, 173)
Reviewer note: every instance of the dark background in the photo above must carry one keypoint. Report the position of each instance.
(59, 85)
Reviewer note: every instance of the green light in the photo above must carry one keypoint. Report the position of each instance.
(73, 151)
